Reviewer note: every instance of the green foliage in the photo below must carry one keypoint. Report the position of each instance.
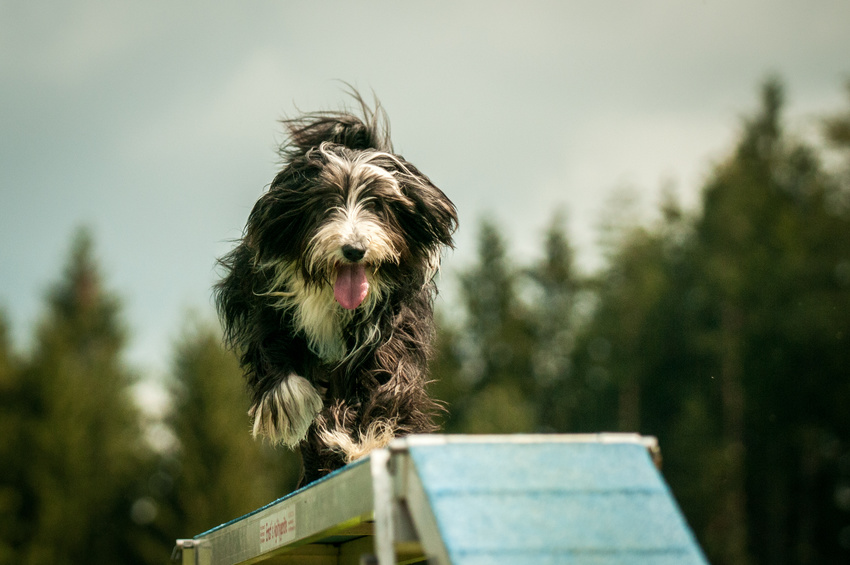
(445, 370)
(13, 530)
(725, 334)
(775, 334)
(495, 346)
(837, 127)
(556, 288)
(502, 369)
(81, 481)
(77, 429)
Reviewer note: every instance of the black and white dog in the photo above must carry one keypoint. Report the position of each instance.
(328, 297)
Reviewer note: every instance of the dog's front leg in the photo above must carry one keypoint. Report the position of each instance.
(283, 412)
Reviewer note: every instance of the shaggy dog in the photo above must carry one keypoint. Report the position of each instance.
(328, 297)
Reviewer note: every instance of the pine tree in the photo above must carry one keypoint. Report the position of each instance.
(836, 128)
(13, 471)
(553, 316)
(83, 430)
(836, 133)
(218, 471)
(447, 384)
(727, 337)
(725, 334)
(773, 320)
(497, 343)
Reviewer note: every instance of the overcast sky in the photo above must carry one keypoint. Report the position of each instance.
(155, 123)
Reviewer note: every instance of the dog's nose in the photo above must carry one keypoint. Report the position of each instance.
(353, 252)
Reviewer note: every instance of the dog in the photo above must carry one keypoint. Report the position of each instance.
(328, 296)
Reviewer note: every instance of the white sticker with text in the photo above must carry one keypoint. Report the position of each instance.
(277, 529)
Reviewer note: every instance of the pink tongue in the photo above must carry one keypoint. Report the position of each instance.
(351, 286)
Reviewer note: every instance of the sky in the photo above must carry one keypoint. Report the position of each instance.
(155, 123)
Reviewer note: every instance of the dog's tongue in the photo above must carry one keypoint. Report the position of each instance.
(351, 285)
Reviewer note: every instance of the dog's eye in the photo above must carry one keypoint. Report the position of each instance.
(379, 205)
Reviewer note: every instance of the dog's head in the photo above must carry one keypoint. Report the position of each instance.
(347, 213)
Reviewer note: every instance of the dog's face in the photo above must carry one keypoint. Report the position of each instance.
(360, 222)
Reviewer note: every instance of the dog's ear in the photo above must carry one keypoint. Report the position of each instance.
(281, 217)
(433, 217)
(234, 295)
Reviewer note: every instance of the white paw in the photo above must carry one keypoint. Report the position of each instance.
(285, 413)
(377, 435)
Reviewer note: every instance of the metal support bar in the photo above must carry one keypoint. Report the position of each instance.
(382, 485)
(185, 552)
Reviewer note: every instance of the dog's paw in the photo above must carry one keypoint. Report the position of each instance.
(285, 412)
(377, 435)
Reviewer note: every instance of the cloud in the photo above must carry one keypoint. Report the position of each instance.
(156, 121)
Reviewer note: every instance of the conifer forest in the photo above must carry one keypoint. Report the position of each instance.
(723, 330)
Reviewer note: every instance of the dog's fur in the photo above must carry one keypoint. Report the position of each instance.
(344, 213)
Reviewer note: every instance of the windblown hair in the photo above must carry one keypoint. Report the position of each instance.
(328, 297)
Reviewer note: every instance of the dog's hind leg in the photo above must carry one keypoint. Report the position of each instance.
(324, 449)
(343, 442)
(338, 435)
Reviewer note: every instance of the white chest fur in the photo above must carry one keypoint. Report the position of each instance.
(316, 314)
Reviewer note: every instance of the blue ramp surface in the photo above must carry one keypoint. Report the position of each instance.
(546, 503)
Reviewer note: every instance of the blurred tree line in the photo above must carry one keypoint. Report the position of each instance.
(724, 331)
(86, 476)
